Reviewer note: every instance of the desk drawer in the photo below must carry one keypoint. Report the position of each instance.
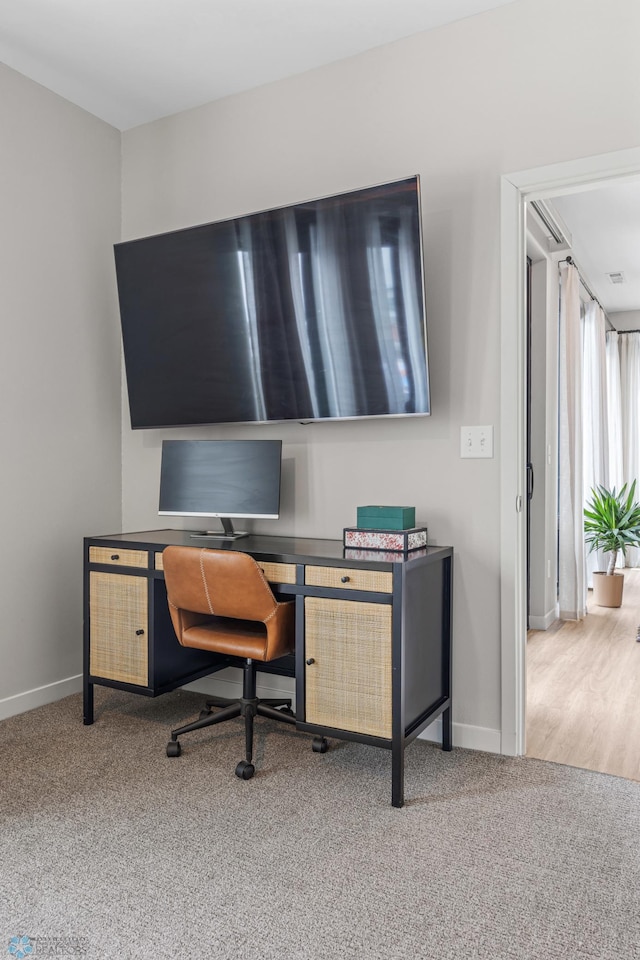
(278, 572)
(349, 578)
(115, 556)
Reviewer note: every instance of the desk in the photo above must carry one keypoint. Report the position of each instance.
(373, 632)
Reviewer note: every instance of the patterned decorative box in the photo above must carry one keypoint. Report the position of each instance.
(399, 540)
(386, 518)
(353, 553)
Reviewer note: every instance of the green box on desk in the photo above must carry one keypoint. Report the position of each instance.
(386, 518)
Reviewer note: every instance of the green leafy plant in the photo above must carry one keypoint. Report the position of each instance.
(612, 521)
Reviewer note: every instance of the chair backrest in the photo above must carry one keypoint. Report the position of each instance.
(224, 583)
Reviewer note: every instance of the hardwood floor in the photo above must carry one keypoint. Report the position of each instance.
(583, 688)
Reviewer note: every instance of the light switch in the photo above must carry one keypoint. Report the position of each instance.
(476, 442)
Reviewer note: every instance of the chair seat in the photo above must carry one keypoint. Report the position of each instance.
(236, 638)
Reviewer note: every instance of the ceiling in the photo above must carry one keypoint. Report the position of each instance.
(133, 61)
(605, 227)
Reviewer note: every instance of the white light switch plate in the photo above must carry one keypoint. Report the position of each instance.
(476, 442)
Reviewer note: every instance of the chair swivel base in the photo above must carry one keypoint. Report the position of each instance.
(247, 707)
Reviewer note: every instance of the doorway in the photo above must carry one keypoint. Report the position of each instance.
(517, 190)
(589, 666)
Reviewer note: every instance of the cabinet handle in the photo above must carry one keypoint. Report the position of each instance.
(115, 556)
(310, 661)
(139, 633)
(344, 579)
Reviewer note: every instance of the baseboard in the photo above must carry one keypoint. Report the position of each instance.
(21, 702)
(227, 684)
(464, 735)
(543, 623)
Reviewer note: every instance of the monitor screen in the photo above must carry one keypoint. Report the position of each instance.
(221, 478)
(314, 311)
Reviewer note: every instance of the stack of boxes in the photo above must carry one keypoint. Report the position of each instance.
(386, 528)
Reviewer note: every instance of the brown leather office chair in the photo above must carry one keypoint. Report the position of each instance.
(220, 601)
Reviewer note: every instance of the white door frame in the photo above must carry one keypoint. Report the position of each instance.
(516, 190)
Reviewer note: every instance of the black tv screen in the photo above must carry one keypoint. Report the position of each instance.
(314, 311)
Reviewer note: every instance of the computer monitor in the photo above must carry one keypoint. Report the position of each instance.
(221, 478)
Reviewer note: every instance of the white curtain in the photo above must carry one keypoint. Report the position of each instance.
(614, 405)
(595, 432)
(629, 350)
(571, 547)
(623, 403)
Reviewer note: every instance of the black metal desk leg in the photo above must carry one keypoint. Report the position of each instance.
(87, 703)
(447, 729)
(397, 776)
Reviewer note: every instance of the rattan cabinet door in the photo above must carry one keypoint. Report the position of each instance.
(118, 627)
(348, 665)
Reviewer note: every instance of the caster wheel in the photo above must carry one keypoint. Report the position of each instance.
(288, 712)
(319, 745)
(204, 714)
(173, 748)
(245, 770)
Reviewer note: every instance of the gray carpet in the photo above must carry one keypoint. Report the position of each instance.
(103, 838)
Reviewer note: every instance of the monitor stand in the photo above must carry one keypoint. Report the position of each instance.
(228, 533)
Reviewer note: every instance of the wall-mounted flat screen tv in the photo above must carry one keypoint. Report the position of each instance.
(314, 311)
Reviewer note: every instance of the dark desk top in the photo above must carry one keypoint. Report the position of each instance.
(278, 549)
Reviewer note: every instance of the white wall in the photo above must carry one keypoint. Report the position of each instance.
(59, 378)
(460, 106)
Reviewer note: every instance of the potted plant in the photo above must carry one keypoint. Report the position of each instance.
(611, 524)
